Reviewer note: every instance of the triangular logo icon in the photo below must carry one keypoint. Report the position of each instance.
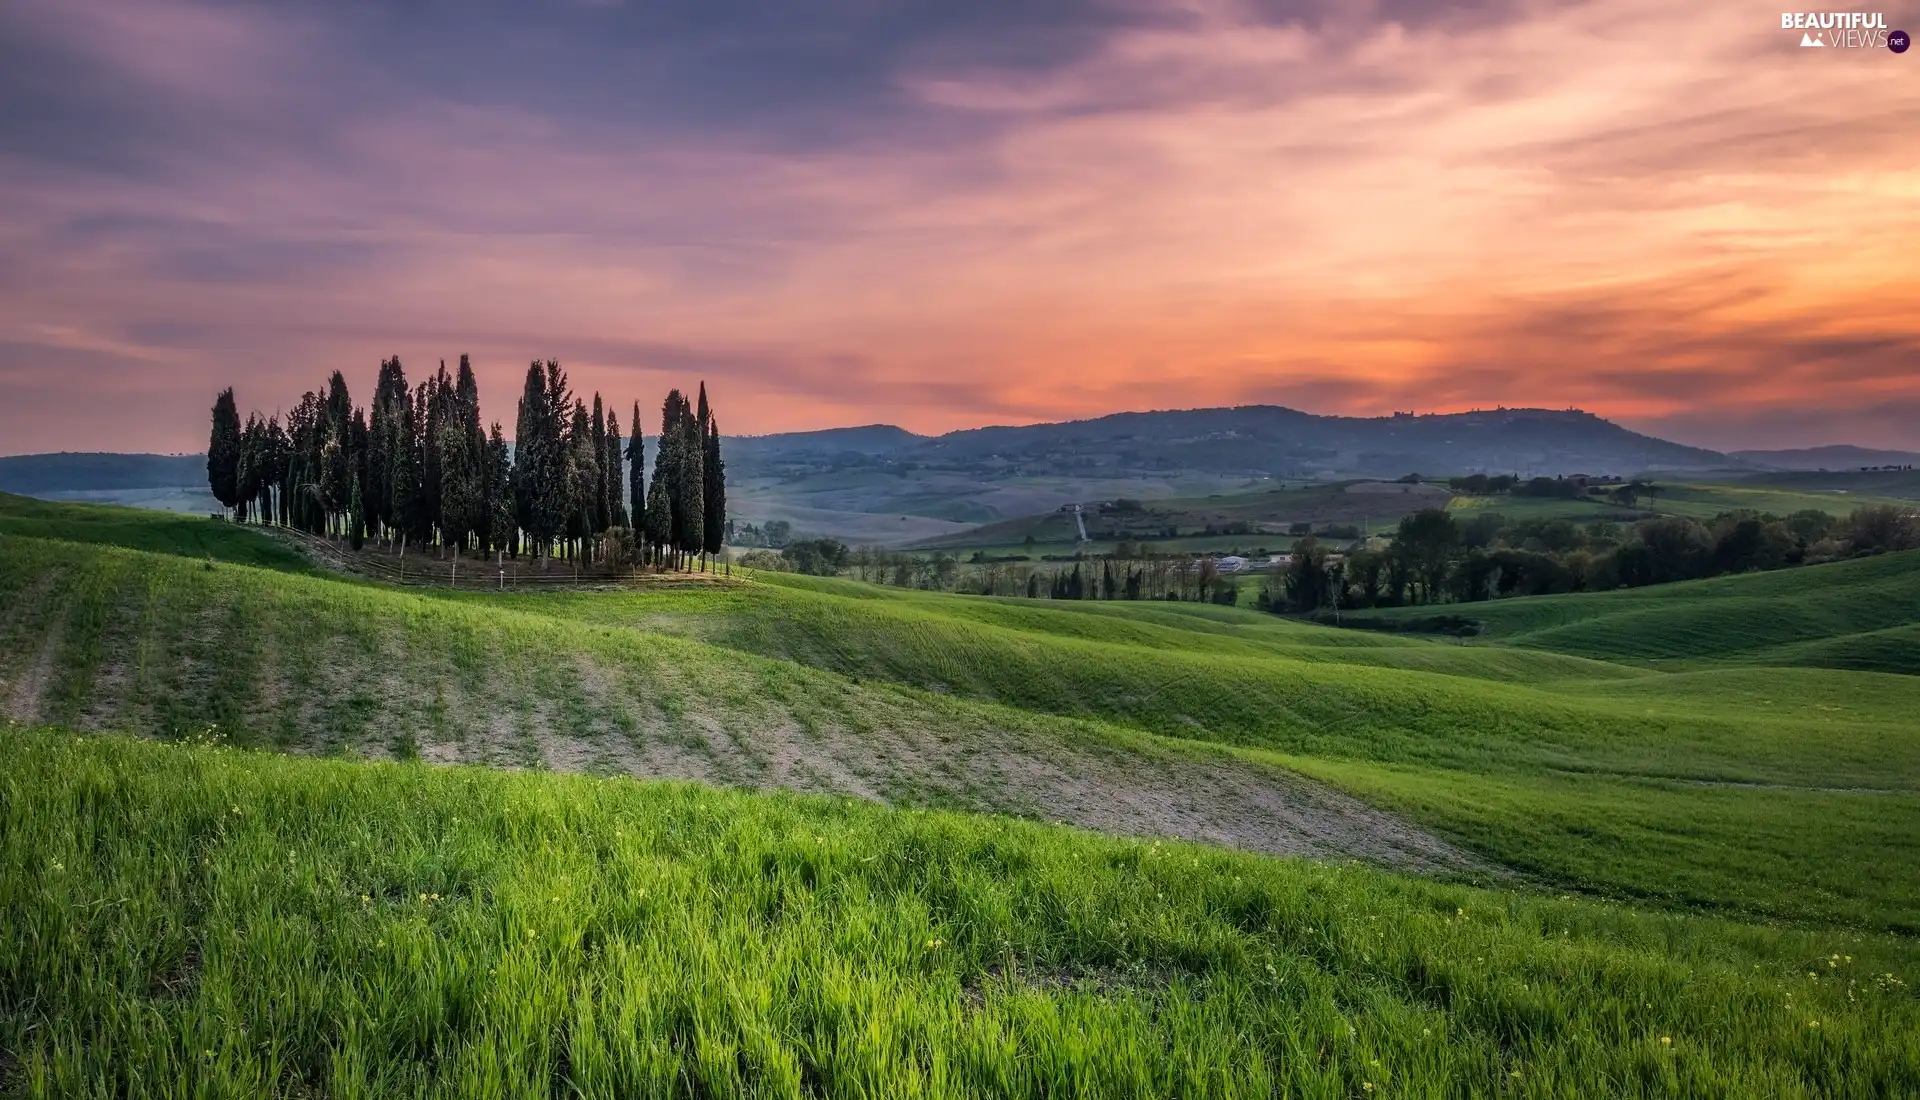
(1810, 40)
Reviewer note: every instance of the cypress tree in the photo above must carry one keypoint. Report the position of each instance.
(358, 436)
(583, 475)
(500, 525)
(246, 478)
(223, 450)
(460, 486)
(541, 481)
(612, 479)
(335, 458)
(390, 400)
(404, 460)
(713, 480)
(602, 507)
(525, 447)
(274, 472)
(636, 472)
(691, 532)
(464, 412)
(659, 518)
(666, 470)
(356, 515)
(433, 406)
(298, 489)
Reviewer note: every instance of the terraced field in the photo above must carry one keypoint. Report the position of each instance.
(1698, 753)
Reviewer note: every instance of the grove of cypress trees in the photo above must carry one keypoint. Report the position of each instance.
(223, 450)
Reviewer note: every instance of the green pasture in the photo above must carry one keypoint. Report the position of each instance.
(1857, 614)
(1700, 803)
(196, 921)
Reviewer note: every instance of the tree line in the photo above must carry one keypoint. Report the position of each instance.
(1138, 574)
(417, 469)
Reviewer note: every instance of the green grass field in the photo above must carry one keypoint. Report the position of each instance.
(1695, 500)
(1722, 778)
(143, 529)
(1904, 484)
(1858, 614)
(200, 922)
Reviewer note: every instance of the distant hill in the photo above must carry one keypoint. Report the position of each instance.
(868, 439)
(1251, 440)
(32, 475)
(168, 483)
(1839, 457)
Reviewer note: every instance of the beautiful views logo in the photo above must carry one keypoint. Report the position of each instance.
(1844, 30)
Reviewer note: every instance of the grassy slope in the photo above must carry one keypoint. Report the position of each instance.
(1456, 735)
(1904, 484)
(1699, 500)
(1704, 500)
(104, 638)
(1852, 614)
(199, 922)
(1420, 725)
(142, 529)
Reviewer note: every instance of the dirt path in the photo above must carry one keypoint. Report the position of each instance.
(23, 701)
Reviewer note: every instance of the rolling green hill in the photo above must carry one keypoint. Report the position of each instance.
(1855, 614)
(143, 529)
(452, 931)
(1011, 705)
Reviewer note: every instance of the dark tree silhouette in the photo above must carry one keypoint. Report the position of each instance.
(223, 450)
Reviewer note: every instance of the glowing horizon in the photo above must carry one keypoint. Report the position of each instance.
(938, 218)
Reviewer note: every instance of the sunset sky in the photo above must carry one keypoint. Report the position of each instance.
(949, 214)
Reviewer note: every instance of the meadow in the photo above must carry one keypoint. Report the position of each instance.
(1659, 807)
(1858, 614)
(188, 920)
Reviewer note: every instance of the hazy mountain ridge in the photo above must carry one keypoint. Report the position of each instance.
(99, 471)
(1842, 456)
(1251, 440)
